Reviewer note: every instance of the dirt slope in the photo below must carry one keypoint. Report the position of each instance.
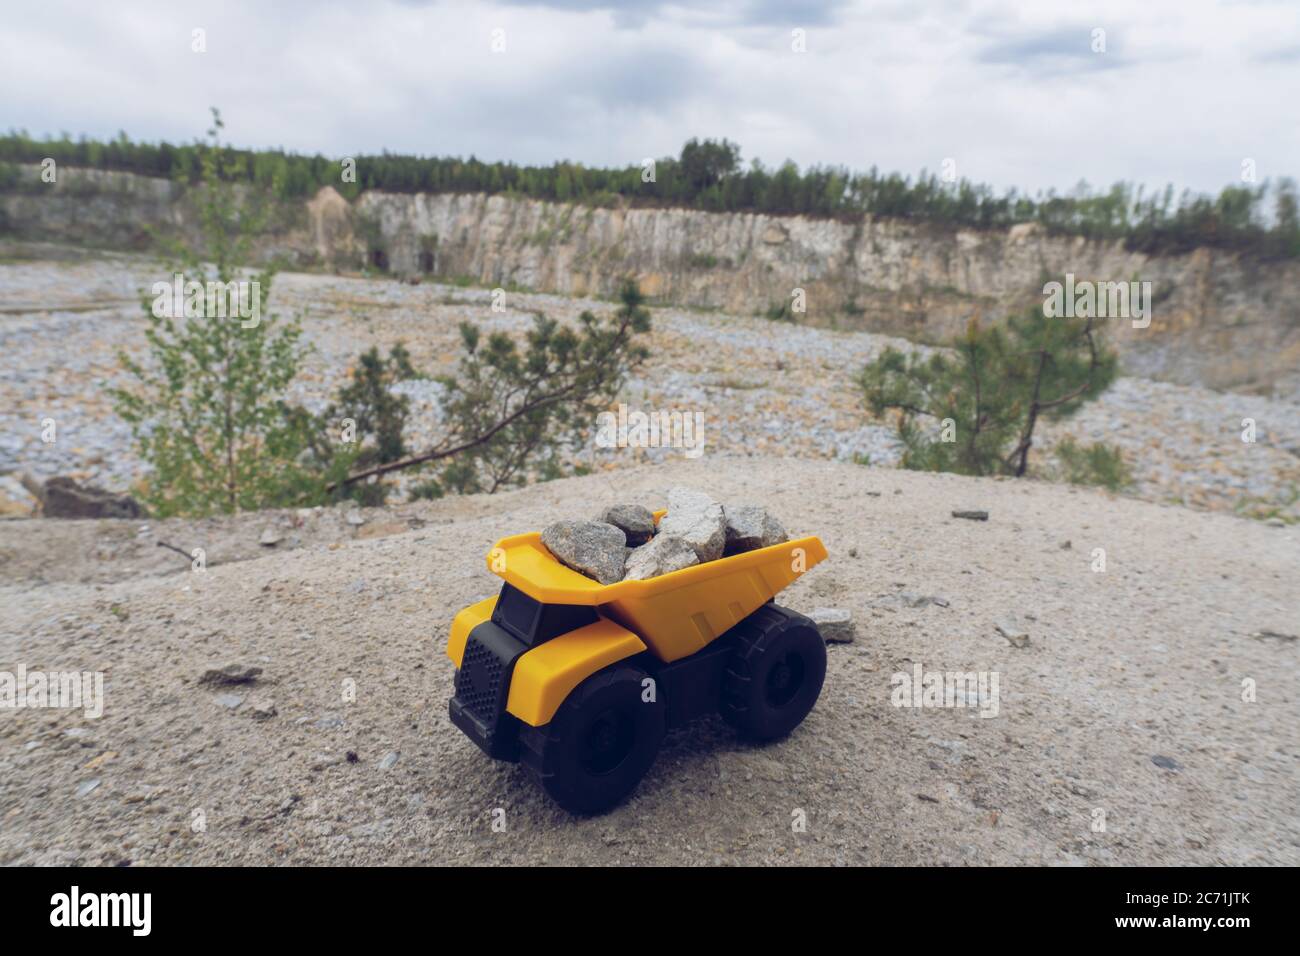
(1144, 660)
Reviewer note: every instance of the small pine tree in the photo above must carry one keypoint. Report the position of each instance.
(974, 410)
(206, 407)
(509, 410)
(363, 426)
(369, 401)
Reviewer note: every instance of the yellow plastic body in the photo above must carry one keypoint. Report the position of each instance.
(672, 616)
(463, 623)
(545, 675)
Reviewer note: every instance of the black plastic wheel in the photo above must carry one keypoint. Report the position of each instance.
(600, 743)
(775, 675)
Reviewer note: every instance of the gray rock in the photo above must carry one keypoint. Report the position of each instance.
(750, 527)
(262, 708)
(329, 722)
(1267, 635)
(1166, 763)
(972, 515)
(64, 498)
(922, 600)
(87, 787)
(229, 675)
(593, 548)
(698, 519)
(661, 555)
(270, 538)
(835, 623)
(389, 761)
(1016, 635)
(229, 701)
(637, 523)
(356, 519)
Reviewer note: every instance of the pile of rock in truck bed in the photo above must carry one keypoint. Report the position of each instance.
(623, 544)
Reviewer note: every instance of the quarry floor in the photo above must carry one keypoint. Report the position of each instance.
(755, 387)
(1153, 716)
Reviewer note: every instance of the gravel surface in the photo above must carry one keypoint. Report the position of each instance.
(1121, 735)
(801, 399)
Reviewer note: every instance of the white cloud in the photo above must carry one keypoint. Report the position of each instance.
(1014, 93)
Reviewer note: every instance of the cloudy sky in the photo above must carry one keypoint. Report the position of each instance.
(1014, 93)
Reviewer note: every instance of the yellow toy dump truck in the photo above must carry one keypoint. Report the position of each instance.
(580, 680)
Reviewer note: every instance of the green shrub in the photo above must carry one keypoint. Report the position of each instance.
(1093, 464)
(780, 312)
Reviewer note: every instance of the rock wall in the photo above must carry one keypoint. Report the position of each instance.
(95, 208)
(1219, 319)
(124, 212)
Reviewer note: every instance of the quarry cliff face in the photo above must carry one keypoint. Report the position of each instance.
(1215, 318)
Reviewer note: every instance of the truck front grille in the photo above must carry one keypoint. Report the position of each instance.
(478, 682)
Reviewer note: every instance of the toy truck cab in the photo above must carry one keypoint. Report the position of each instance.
(579, 681)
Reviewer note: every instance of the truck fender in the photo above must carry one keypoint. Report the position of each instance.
(464, 622)
(544, 676)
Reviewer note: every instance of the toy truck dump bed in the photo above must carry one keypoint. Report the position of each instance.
(675, 614)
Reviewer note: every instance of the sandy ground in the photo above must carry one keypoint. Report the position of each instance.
(1144, 660)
